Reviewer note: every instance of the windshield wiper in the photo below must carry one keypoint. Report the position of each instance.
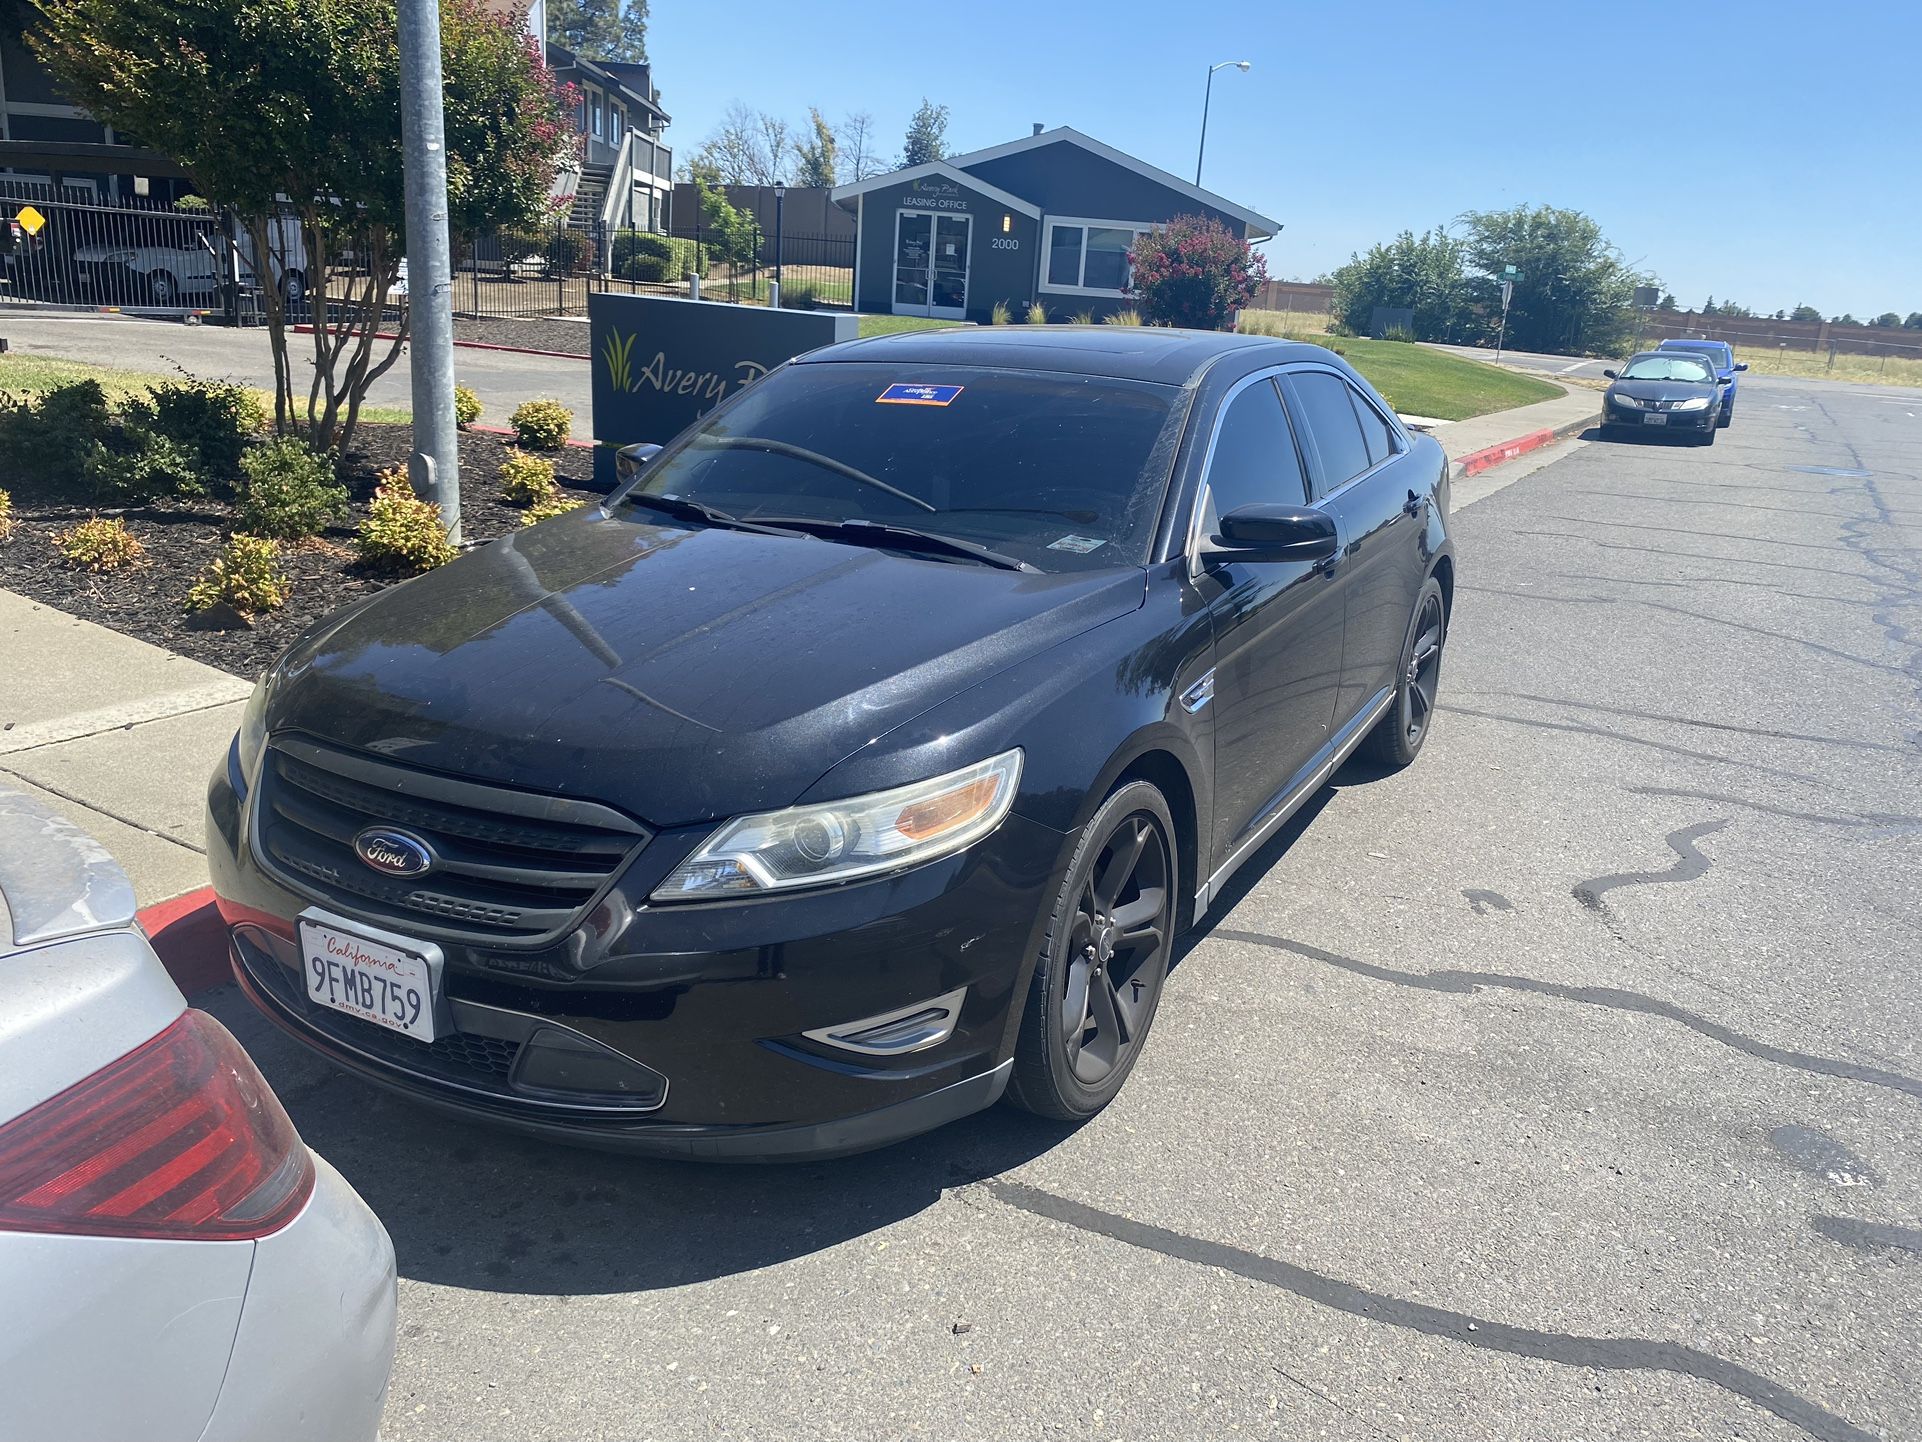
(812, 458)
(682, 509)
(900, 538)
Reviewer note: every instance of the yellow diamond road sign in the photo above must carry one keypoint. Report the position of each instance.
(30, 220)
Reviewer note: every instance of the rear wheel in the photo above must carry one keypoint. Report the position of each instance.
(164, 289)
(1098, 981)
(1398, 736)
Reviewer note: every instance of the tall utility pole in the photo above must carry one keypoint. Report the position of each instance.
(1207, 99)
(434, 467)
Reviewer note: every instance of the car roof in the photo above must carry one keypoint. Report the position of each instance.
(1144, 353)
(1683, 343)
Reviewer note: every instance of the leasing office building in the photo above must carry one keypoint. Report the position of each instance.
(1050, 217)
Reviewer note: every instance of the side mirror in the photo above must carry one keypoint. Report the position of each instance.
(628, 460)
(1741, 365)
(1610, 374)
(1263, 532)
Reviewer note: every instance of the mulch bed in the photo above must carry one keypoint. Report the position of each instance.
(182, 536)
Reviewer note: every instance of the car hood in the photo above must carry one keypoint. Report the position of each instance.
(680, 674)
(1663, 390)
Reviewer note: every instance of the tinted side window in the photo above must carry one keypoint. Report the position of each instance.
(1331, 420)
(1374, 430)
(1254, 457)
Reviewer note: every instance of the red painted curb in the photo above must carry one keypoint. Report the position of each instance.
(507, 431)
(477, 345)
(190, 939)
(1477, 461)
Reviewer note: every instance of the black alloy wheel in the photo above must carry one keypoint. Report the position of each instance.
(1099, 980)
(1399, 734)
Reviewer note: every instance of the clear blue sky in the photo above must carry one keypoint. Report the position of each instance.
(1358, 120)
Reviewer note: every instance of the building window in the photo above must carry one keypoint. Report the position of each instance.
(1089, 257)
(594, 111)
(617, 121)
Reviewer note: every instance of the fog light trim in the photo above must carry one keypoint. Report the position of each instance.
(899, 1032)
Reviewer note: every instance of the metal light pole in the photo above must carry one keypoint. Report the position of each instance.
(434, 467)
(780, 198)
(1207, 97)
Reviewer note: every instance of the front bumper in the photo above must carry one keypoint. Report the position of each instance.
(710, 1003)
(1621, 417)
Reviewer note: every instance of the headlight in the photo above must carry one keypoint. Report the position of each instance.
(1627, 403)
(1700, 403)
(842, 840)
(244, 755)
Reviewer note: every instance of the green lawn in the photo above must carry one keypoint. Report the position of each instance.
(29, 375)
(1422, 382)
(889, 324)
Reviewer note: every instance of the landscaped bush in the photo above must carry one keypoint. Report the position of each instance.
(1122, 317)
(999, 314)
(100, 544)
(53, 440)
(800, 295)
(212, 420)
(641, 255)
(290, 491)
(246, 575)
(143, 464)
(543, 425)
(6, 517)
(467, 407)
(526, 480)
(402, 532)
(569, 252)
(1194, 272)
(1037, 314)
(555, 505)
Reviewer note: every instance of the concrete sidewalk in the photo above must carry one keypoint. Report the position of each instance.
(118, 735)
(1482, 441)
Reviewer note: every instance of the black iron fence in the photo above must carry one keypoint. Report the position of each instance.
(67, 247)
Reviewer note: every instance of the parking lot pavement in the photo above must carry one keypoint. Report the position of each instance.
(502, 379)
(1564, 366)
(1565, 1085)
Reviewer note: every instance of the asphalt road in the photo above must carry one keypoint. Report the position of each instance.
(1584, 367)
(1566, 1085)
(502, 379)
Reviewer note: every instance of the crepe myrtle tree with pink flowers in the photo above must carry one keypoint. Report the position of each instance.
(1194, 272)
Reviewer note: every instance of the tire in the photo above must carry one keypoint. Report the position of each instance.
(1397, 738)
(293, 288)
(1707, 437)
(1069, 1070)
(163, 288)
(1728, 414)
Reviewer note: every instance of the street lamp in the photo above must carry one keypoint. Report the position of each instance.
(780, 195)
(1241, 65)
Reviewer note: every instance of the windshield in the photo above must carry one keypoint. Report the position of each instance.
(1675, 366)
(1716, 353)
(1062, 472)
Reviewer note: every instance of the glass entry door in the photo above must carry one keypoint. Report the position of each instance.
(931, 264)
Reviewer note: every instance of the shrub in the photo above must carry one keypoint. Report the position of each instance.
(641, 255)
(1122, 317)
(6, 517)
(56, 438)
(800, 295)
(467, 407)
(402, 532)
(99, 544)
(1037, 314)
(543, 425)
(555, 505)
(1084, 317)
(569, 252)
(197, 204)
(290, 491)
(143, 463)
(526, 480)
(212, 420)
(246, 575)
(1194, 272)
(999, 314)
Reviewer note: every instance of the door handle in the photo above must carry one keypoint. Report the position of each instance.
(1328, 565)
(1412, 506)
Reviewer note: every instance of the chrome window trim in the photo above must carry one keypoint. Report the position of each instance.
(1308, 367)
(1191, 548)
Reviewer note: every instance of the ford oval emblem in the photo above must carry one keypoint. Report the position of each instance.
(393, 852)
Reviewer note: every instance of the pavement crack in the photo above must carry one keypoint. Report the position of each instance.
(1818, 646)
(1728, 726)
(1581, 729)
(1612, 998)
(1689, 864)
(1608, 1354)
(1884, 820)
(1669, 554)
(99, 810)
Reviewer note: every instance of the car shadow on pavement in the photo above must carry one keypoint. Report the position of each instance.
(471, 1207)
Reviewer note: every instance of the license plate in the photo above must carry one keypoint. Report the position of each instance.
(373, 980)
(1654, 420)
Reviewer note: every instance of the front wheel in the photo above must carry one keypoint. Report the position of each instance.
(164, 289)
(1099, 979)
(1397, 737)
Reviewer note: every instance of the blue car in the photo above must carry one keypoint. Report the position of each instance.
(1722, 356)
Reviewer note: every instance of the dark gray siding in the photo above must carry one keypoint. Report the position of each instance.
(995, 272)
(1064, 179)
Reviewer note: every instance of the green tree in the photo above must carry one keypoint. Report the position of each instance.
(1421, 273)
(600, 29)
(1888, 320)
(1845, 319)
(1805, 312)
(815, 157)
(1913, 321)
(927, 134)
(1575, 291)
(288, 111)
(1667, 302)
(1708, 306)
(1193, 272)
(728, 231)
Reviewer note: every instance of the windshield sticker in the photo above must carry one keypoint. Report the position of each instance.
(1080, 545)
(908, 393)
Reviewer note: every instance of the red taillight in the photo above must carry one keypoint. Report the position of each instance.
(180, 1138)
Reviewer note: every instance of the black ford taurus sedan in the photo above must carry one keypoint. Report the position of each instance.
(859, 760)
(1663, 393)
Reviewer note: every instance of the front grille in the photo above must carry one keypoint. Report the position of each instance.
(508, 865)
(487, 1054)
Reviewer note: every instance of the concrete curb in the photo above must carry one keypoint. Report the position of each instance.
(474, 345)
(190, 940)
(1487, 457)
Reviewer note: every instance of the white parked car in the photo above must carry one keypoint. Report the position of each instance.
(174, 1262)
(163, 262)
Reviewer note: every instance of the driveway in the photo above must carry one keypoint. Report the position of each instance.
(502, 379)
(1566, 1085)
(1583, 367)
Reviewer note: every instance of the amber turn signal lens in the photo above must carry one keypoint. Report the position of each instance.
(925, 820)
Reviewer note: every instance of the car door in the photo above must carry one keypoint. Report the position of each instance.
(1357, 455)
(1277, 624)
